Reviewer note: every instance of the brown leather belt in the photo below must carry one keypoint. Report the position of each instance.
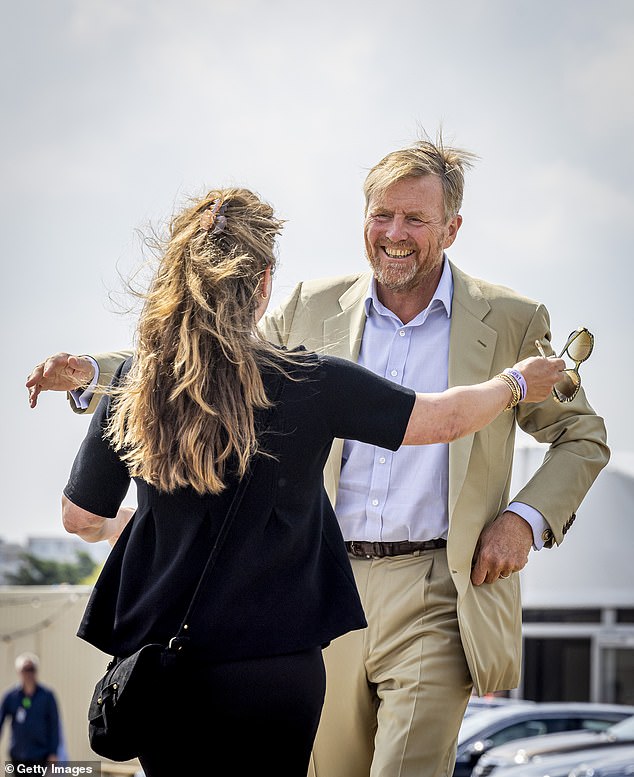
(382, 549)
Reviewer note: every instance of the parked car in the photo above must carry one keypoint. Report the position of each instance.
(491, 728)
(598, 762)
(524, 751)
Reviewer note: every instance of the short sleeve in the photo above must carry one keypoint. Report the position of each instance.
(98, 480)
(360, 405)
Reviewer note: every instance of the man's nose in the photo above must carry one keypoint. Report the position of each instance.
(396, 231)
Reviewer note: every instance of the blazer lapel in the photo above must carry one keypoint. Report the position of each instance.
(343, 331)
(471, 349)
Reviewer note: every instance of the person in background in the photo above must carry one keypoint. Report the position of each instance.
(35, 723)
(434, 537)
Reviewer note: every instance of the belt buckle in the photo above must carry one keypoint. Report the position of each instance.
(357, 550)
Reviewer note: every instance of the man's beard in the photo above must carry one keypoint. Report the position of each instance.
(403, 277)
(396, 277)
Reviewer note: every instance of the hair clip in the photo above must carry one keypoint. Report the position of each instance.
(215, 216)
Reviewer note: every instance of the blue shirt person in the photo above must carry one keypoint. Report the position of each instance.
(34, 716)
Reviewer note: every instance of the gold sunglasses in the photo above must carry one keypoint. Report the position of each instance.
(578, 347)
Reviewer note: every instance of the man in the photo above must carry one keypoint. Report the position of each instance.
(34, 716)
(433, 539)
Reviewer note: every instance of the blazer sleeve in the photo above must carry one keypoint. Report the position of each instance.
(108, 363)
(577, 451)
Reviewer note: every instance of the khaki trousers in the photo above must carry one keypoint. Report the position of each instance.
(396, 692)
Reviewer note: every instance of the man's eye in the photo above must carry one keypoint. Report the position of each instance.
(414, 220)
(380, 216)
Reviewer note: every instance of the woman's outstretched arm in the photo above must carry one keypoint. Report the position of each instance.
(462, 410)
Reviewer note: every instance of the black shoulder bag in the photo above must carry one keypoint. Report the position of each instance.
(129, 693)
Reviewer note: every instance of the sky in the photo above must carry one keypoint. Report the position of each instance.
(115, 111)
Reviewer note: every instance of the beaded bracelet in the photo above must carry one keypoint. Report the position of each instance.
(519, 378)
(514, 386)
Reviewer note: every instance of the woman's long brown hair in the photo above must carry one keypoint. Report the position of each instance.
(186, 409)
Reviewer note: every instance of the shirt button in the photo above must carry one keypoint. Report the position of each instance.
(402, 333)
(394, 373)
(382, 460)
(375, 502)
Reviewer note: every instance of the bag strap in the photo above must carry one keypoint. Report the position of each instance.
(177, 641)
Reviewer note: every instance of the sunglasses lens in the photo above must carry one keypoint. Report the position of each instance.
(581, 347)
(566, 388)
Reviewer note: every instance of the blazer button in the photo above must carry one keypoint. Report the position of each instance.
(547, 535)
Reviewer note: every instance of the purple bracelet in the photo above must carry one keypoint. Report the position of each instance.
(519, 378)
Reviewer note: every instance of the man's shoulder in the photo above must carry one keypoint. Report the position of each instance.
(332, 286)
(496, 294)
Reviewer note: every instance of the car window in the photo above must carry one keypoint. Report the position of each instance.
(538, 726)
(592, 724)
(555, 725)
(526, 728)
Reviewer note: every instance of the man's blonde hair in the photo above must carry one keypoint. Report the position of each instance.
(424, 157)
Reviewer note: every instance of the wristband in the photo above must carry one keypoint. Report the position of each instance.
(519, 378)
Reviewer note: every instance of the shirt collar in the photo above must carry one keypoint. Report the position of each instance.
(442, 296)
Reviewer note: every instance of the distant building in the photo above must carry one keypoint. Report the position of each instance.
(65, 549)
(53, 548)
(10, 559)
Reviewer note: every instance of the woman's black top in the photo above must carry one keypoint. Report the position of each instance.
(282, 581)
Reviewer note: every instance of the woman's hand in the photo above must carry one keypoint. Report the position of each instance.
(540, 375)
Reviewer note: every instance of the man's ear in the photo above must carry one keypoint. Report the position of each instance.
(452, 230)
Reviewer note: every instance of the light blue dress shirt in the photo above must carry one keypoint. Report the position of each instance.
(387, 496)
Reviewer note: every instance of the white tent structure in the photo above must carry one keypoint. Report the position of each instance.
(578, 598)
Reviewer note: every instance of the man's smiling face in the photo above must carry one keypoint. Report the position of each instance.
(406, 232)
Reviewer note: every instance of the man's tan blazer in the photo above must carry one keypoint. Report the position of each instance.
(491, 328)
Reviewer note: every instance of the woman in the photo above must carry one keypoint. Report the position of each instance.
(205, 400)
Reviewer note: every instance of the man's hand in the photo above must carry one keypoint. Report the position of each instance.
(503, 548)
(60, 372)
